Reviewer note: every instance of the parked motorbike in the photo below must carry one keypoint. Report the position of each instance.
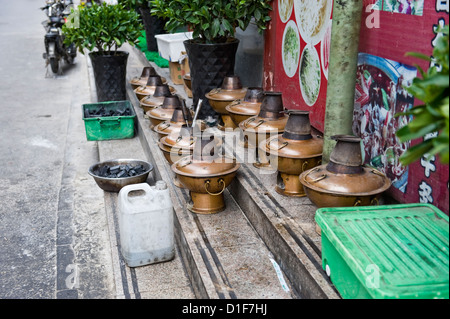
(55, 49)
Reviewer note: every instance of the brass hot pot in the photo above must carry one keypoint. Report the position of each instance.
(219, 98)
(156, 99)
(293, 152)
(242, 109)
(142, 80)
(149, 88)
(165, 111)
(344, 181)
(270, 121)
(206, 174)
(175, 124)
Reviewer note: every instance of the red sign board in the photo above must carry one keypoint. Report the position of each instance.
(296, 64)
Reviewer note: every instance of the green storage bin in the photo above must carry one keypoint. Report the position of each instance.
(386, 252)
(109, 127)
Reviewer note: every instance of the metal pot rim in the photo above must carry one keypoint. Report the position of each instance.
(223, 173)
(116, 162)
(305, 183)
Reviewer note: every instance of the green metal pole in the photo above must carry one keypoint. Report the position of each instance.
(342, 72)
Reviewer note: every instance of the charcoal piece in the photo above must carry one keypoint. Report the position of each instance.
(132, 172)
(104, 170)
(121, 174)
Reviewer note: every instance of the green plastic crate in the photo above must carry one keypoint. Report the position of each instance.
(386, 252)
(109, 127)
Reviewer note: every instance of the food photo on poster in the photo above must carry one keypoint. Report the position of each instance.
(379, 96)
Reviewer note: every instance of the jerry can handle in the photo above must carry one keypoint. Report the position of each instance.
(126, 190)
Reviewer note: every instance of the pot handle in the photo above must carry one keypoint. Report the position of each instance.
(315, 180)
(305, 163)
(164, 127)
(376, 172)
(251, 120)
(186, 163)
(221, 181)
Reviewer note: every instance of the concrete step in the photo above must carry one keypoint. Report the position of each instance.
(236, 253)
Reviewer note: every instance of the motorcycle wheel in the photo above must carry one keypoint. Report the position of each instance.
(54, 64)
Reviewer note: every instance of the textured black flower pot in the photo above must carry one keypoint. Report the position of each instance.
(110, 75)
(209, 64)
(152, 26)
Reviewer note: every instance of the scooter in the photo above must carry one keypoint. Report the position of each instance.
(55, 48)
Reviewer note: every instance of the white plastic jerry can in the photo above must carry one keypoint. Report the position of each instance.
(146, 224)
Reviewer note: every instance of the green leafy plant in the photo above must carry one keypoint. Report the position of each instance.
(212, 21)
(432, 116)
(102, 27)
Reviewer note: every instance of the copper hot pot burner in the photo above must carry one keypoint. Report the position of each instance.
(156, 99)
(206, 173)
(242, 109)
(165, 111)
(149, 88)
(219, 98)
(344, 181)
(142, 80)
(271, 120)
(293, 152)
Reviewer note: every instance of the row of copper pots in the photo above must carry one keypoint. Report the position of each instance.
(296, 153)
(281, 137)
(206, 178)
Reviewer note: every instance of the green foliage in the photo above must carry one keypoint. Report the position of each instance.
(133, 4)
(212, 21)
(433, 116)
(102, 27)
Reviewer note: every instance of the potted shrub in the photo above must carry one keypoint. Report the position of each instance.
(102, 29)
(152, 24)
(213, 47)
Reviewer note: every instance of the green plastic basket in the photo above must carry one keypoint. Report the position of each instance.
(109, 127)
(386, 252)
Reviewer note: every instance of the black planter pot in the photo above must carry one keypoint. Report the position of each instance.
(209, 64)
(110, 75)
(152, 26)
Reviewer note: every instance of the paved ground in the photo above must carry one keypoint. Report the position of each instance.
(52, 223)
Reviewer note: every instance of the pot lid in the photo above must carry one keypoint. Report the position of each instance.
(230, 90)
(169, 127)
(367, 183)
(142, 79)
(183, 138)
(152, 101)
(259, 124)
(149, 88)
(283, 147)
(250, 104)
(242, 107)
(188, 166)
(160, 113)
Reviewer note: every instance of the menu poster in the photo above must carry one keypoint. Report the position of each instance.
(303, 30)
